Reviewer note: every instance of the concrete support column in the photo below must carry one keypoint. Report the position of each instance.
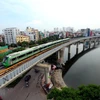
(94, 42)
(84, 45)
(98, 41)
(76, 48)
(45, 67)
(58, 54)
(62, 55)
(89, 44)
(46, 72)
(69, 52)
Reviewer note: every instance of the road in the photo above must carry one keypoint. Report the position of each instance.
(33, 92)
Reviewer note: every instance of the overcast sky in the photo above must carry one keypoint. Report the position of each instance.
(47, 14)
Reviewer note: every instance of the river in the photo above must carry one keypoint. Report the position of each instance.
(84, 71)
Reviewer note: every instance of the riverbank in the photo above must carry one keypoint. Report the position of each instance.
(57, 79)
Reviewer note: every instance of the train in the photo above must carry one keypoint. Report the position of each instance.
(16, 57)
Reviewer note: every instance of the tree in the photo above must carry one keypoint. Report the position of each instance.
(24, 44)
(2, 44)
(64, 94)
(19, 43)
(13, 45)
(31, 42)
(90, 92)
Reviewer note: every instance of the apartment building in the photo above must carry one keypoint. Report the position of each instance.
(22, 38)
(10, 35)
(32, 33)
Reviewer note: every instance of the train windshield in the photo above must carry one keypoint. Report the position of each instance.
(4, 60)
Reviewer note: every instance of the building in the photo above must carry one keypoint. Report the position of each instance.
(56, 29)
(22, 38)
(1, 38)
(46, 33)
(32, 33)
(68, 29)
(22, 33)
(87, 32)
(10, 35)
(41, 35)
(36, 34)
(62, 34)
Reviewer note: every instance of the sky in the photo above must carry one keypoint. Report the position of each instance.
(48, 14)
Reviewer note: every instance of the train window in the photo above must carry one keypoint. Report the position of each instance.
(21, 56)
(29, 53)
(40, 48)
(13, 59)
(5, 59)
(35, 50)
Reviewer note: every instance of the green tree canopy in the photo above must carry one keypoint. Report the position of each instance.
(13, 45)
(2, 44)
(90, 92)
(31, 42)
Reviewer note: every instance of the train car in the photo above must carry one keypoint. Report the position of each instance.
(18, 56)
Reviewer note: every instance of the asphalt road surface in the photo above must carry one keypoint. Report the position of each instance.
(33, 92)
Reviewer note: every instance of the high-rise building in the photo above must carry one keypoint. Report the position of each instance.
(88, 31)
(46, 34)
(10, 35)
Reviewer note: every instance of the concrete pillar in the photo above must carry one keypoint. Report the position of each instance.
(58, 55)
(76, 48)
(69, 52)
(62, 55)
(46, 68)
(46, 72)
(98, 41)
(84, 45)
(89, 44)
(94, 42)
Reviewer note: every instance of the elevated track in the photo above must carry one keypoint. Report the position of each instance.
(10, 74)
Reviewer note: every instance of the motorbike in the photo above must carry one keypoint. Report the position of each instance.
(26, 79)
(26, 84)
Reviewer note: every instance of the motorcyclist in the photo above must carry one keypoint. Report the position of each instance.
(26, 79)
